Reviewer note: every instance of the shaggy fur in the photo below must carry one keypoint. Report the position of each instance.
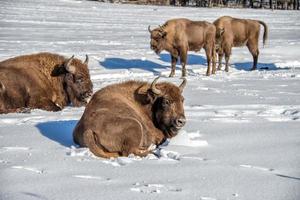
(233, 32)
(45, 81)
(129, 117)
(178, 36)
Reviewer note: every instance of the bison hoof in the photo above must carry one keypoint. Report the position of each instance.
(253, 68)
(207, 74)
(172, 74)
(226, 70)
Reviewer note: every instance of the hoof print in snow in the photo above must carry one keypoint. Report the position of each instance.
(153, 188)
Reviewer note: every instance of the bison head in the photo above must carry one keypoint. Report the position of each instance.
(77, 82)
(157, 36)
(219, 38)
(167, 109)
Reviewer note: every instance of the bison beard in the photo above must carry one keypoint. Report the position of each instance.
(130, 117)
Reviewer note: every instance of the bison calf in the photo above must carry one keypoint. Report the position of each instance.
(233, 32)
(178, 36)
(130, 117)
(44, 81)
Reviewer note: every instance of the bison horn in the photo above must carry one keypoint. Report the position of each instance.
(2, 87)
(149, 29)
(68, 65)
(68, 62)
(182, 85)
(86, 60)
(153, 88)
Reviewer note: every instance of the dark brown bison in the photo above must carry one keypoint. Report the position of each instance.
(233, 32)
(178, 36)
(44, 81)
(130, 117)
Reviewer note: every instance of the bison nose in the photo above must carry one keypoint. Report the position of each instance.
(180, 122)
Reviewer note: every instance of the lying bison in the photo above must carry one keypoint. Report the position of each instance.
(233, 32)
(178, 36)
(130, 117)
(44, 81)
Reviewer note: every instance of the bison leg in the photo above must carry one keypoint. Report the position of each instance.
(255, 52)
(214, 57)
(208, 52)
(183, 59)
(95, 147)
(174, 61)
(220, 57)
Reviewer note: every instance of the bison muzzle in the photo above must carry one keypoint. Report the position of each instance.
(130, 117)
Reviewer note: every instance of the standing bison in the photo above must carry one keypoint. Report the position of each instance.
(130, 117)
(233, 32)
(44, 81)
(178, 36)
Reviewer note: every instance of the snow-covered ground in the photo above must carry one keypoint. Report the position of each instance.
(242, 137)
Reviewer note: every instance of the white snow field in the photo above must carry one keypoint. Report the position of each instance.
(242, 137)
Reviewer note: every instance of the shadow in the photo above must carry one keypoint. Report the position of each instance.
(58, 131)
(121, 63)
(247, 66)
(191, 60)
(290, 177)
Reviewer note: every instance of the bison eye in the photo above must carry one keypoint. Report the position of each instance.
(166, 102)
(79, 80)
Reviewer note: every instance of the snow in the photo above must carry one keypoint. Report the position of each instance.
(241, 140)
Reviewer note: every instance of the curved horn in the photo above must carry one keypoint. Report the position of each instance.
(182, 85)
(153, 88)
(149, 29)
(2, 87)
(68, 65)
(86, 59)
(68, 62)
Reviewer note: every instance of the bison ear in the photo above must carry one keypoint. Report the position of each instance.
(58, 70)
(70, 68)
(151, 96)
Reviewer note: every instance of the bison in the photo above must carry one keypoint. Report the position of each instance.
(178, 36)
(234, 32)
(45, 81)
(130, 118)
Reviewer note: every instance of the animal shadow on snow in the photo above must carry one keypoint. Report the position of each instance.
(192, 59)
(58, 131)
(121, 63)
(246, 66)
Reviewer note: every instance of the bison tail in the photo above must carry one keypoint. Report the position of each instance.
(95, 147)
(265, 37)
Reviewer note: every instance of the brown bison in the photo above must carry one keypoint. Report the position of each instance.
(44, 81)
(233, 32)
(178, 36)
(130, 117)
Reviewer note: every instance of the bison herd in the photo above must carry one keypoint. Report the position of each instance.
(130, 117)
